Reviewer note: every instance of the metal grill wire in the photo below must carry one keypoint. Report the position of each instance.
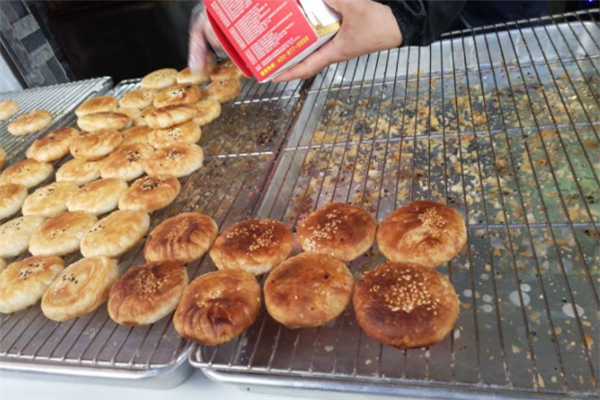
(238, 155)
(502, 125)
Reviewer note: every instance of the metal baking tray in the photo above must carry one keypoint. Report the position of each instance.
(501, 123)
(240, 149)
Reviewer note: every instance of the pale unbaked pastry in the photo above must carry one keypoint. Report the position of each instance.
(53, 146)
(62, 234)
(12, 196)
(98, 197)
(29, 123)
(49, 200)
(16, 234)
(28, 173)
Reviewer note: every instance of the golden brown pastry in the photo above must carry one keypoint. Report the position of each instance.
(187, 77)
(104, 120)
(177, 95)
(12, 196)
(226, 70)
(340, 230)
(49, 200)
(127, 162)
(91, 146)
(98, 197)
(2, 157)
(180, 159)
(115, 234)
(222, 91)
(8, 108)
(150, 193)
(62, 234)
(147, 293)
(183, 238)
(132, 113)
(24, 282)
(29, 123)
(137, 134)
(28, 173)
(16, 234)
(405, 305)
(188, 132)
(140, 98)
(81, 288)
(166, 117)
(96, 105)
(78, 171)
(308, 290)
(53, 146)
(159, 79)
(142, 119)
(2, 265)
(422, 232)
(256, 246)
(218, 307)
(208, 111)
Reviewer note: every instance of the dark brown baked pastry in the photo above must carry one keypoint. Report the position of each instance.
(150, 193)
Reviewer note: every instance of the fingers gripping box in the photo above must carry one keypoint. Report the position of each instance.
(266, 37)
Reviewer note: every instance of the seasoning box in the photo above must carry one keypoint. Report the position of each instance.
(266, 37)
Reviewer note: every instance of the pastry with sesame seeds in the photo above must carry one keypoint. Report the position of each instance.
(342, 231)
(147, 293)
(159, 79)
(62, 234)
(31, 122)
(12, 196)
(188, 132)
(179, 160)
(150, 193)
(91, 146)
(139, 98)
(115, 234)
(78, 171)
(49, 200)
(127, 162)
(104, 121)
(405, 305)
(81, 288)
(53, 146)
(24, 282)
(222, 91)
(218, 307)
(96, 105)
(28, 173)
(98, 197)
(256, 246)
(183, 238)
(176, 95)
(166, 117)
(16, 234)
(308, 290)
(226, 70)
(422, 232)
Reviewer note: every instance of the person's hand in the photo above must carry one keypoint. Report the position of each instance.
(367, 27)
(202, 38)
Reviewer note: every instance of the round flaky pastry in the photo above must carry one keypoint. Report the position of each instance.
(308, 290)
(28, 173)
(255, 246)
(16, 234)
(24, 282)
(226, 70)
(218, 307)
(96, 105)
(180, 159)
(132, 113)
(62, 234)
(208, 111)
(53, 146)
(8, 108)
(137, 134)
(183, 238)
(78, 171)
(177, 95)
(127, 162)
(98, 197)
(49, 200)
(405, 305)
(159, 79)
(115, 234)
(187, 77)
(188, 132)
(222, 91)
(81, 288)
(166, 117)
(147, 293)
(150, 193)
(91, 146)
(342, 231)
(142, 119)
(422, 232)
(140, 98)
(104, 120)
(29, 123)
(12, 196)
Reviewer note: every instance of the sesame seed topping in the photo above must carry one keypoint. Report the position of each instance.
(431, 219)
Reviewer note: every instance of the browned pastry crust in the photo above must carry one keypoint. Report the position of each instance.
(150, 193)
(2, 157)
(176, 95)
(28, 173)
(91, 146)
(78, 171)
(137, 134)
(166, 117)
(340, 230)
(422, 232)
(308, 290)
(142, 119)
(49, 200)
(8, 108)
(226, 70)
(62, 234)
(159, 79)
(217, 307)
(104, 120)
(53, 146)
(96, 105)
(183, 238)
(208, 111)
(127, 162)
(188, 132)
(405, 305)
(139, 98)
(187, 77)
(147, 293)
(31, 122)
(178, 159)
(255, 246)
(222, 91)
(98, 197)
(12, 196)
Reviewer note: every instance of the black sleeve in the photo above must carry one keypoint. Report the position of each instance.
(422, 22)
